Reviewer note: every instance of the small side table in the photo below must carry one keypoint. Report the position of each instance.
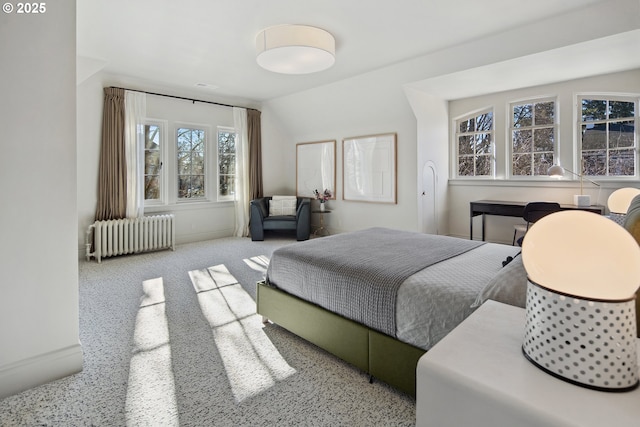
(478, 376)
(321, 231)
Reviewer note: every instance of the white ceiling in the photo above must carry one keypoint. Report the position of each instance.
(180, 44)
(614, 53)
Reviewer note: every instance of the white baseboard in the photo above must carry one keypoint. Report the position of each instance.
(185, 238)
(34, 371)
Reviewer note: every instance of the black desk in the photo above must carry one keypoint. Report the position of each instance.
(515, 209)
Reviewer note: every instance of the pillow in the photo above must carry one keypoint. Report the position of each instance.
(282, 205)
(509, 286)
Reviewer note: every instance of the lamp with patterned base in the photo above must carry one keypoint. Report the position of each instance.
(583, 271)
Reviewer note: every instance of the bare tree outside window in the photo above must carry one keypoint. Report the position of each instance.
(474, 136)
(191, 164)
(608, 137)
(533, 137)
(226, 162)
(152, 162)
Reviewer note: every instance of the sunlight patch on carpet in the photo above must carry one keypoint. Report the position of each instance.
(258, 263)
(151, 394)
(251, 361)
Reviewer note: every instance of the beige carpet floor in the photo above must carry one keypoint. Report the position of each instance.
(172, 338)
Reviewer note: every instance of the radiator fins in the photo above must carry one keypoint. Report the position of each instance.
(130, 235)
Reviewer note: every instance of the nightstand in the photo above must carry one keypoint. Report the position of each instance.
(321, 231)
(477, 376)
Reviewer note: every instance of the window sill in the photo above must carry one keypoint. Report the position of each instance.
(544, 182)
(188, 206)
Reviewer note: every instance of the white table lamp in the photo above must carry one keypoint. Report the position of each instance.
(582, 200)
(583, 271)
(619, 201)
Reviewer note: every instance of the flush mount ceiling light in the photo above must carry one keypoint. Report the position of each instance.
(295, 49)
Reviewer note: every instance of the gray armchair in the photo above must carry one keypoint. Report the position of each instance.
(261, 221)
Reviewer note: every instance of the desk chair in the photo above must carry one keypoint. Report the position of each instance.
(533, 211)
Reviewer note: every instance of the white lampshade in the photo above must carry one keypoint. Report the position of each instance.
(582, 254)
(620, 199)
(295, 49)
(556, 171)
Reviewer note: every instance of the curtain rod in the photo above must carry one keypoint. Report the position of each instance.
(181, 97)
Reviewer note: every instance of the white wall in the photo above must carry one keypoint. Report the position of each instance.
(39, 332)
(364, 105)
(542, 188)
(432, 111)
(89, 130)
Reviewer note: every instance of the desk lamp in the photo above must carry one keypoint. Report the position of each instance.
(557, 171)
(583, 271)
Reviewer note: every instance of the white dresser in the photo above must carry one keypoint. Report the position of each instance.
(477, 376)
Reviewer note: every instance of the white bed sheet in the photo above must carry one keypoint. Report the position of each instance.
(453, 285)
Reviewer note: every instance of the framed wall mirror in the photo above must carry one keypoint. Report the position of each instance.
(369, 168)
(315, 168)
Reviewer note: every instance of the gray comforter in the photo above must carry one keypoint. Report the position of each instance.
(357, 275)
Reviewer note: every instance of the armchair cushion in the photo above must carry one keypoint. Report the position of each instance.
(282, 205)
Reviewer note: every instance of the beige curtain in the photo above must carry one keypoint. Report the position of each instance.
(112, 172)
(254, 133)
(135, 106)
(242, 177)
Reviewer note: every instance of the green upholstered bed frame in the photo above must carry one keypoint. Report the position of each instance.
(377, 354)
(381, 356)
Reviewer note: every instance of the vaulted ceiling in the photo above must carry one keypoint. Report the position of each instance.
(209, 45)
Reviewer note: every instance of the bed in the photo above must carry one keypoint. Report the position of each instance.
(380, 298)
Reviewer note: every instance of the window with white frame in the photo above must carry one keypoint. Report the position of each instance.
(191, 151)
(608, 137)
(474, 145)
(153, 145)
(533, 137)
(194, 174)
